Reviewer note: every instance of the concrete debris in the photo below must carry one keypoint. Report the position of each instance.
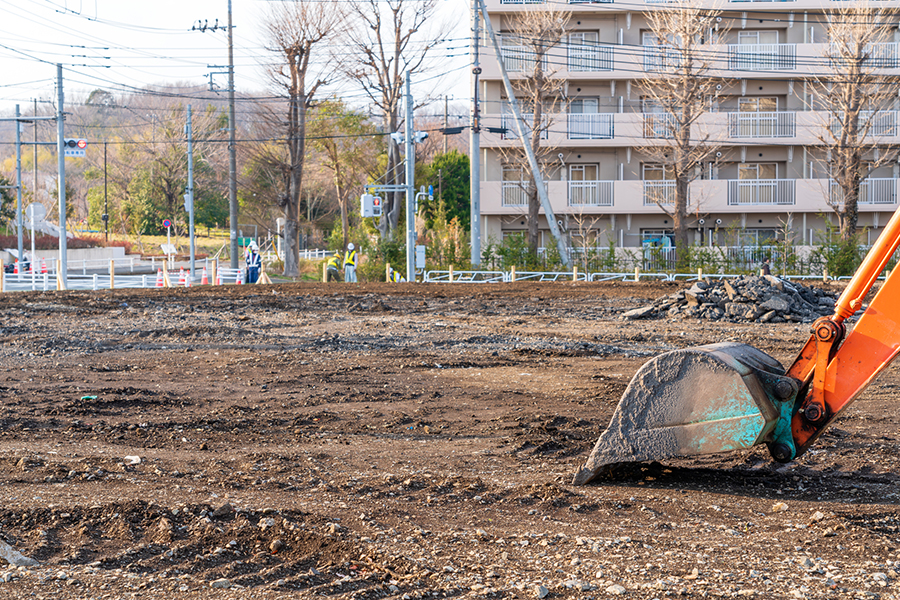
(14, 557)
(744, 299)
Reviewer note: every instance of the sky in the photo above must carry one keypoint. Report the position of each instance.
(124, 45)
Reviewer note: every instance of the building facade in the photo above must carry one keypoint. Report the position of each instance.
(769, 175)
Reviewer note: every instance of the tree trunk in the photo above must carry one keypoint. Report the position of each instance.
(534, 202)
(296, 144)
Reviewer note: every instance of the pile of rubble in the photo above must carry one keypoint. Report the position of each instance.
(765, 299)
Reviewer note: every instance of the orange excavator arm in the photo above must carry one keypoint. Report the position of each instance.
(835, 367)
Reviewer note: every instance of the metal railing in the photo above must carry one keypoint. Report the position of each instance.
(590, 193)
(508, 122)
(762, 124)
(514, 193)
(762, 57)
(883, 55)
(882, 122)
(659, 192)
(661, 58)
(518, 57)
(761, 192)
(872, 190)
(659, 125)
(591, 126)
(590, 57)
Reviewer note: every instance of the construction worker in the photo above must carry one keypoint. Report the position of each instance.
(334, 266)
(254, 261)
(350, 263)
(396, 277)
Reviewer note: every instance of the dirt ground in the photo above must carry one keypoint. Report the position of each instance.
(404, 441)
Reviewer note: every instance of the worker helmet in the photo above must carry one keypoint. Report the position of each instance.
(253, 246)
(350, 246)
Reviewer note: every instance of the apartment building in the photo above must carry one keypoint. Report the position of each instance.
(769, 176)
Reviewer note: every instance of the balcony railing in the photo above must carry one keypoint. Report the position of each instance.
(509, 123)
(659, 192)
(518, 57)
(590, 57)
(761, 192)
(661, 58)
(883, 122)
(872, 190)
(590, 193)
(762, 124)
(514, 193)
(884, 55)
(521, 1)
(587, 126)
(762, 57)
(659, 125)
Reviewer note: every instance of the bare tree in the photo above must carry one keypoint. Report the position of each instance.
(675, 96)
(528, 50)
(855, 94)
(294, 29)
(387, 39)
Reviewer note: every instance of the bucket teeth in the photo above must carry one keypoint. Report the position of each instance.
(694, 401)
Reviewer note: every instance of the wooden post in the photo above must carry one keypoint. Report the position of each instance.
(699, 274)
(112, 274)
(2, 276)
(824, 275)
(575, 273)
(166, 281)
(325, 272)
(451, 273)
(214, 271)
(387, 272)
(512, 274)
(637, 273)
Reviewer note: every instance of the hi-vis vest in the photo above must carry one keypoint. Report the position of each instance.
(395, 276)
(333, 262)
(350, 258)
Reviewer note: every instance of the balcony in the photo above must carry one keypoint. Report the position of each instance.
(762, 124)
(761, 192)
(659, 193)
(762, 57)
(518, 57)
(882, 55)
(509, 123)
(659, 125)
(586, 126)
(661, 58)
(883, 123)
(590, 58)
(591, 193)
(514, 194)
(873, 190)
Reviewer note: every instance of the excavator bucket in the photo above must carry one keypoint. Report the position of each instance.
(700, 400)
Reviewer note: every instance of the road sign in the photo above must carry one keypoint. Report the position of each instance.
(35, 212)
(74, 148)
(167, 223)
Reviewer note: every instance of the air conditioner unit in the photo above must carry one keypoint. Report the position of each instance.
(718, 221)
(702, 221)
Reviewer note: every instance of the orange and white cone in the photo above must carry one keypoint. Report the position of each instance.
(218, 277)
(205, 279)
(159, 278)
(187, 279)
(43, 266)
(240, 277)
(181, 278)
(16, 267)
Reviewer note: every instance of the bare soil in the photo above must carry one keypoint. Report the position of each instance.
(404, 441)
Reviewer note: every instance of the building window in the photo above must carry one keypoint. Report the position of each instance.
(751, 171)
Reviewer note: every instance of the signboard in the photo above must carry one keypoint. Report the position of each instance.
(36, 213)
(74, 148)
(420, 256)
(167, 223)
(168, 249)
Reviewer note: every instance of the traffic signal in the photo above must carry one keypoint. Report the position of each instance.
(370, 205)
(74, 147)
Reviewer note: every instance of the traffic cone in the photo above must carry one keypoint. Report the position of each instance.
(159, 278)
(205, 279)
(181, 277)
(187, 279)
(16, 267)
(218, 277)
(43, 266)
(240, 277)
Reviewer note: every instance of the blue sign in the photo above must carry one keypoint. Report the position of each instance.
(167, 223)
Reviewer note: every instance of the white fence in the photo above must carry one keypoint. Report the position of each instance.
(762, 124)
(763, 192)
(590, 126)
(762, 57)
(590, 193)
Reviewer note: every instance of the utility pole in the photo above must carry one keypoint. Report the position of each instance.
(21, 246)
(475, 143)
(189, 195)
(445, 124)
(410, 184)
(232, 150)
(61, 158)
(105, 216)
